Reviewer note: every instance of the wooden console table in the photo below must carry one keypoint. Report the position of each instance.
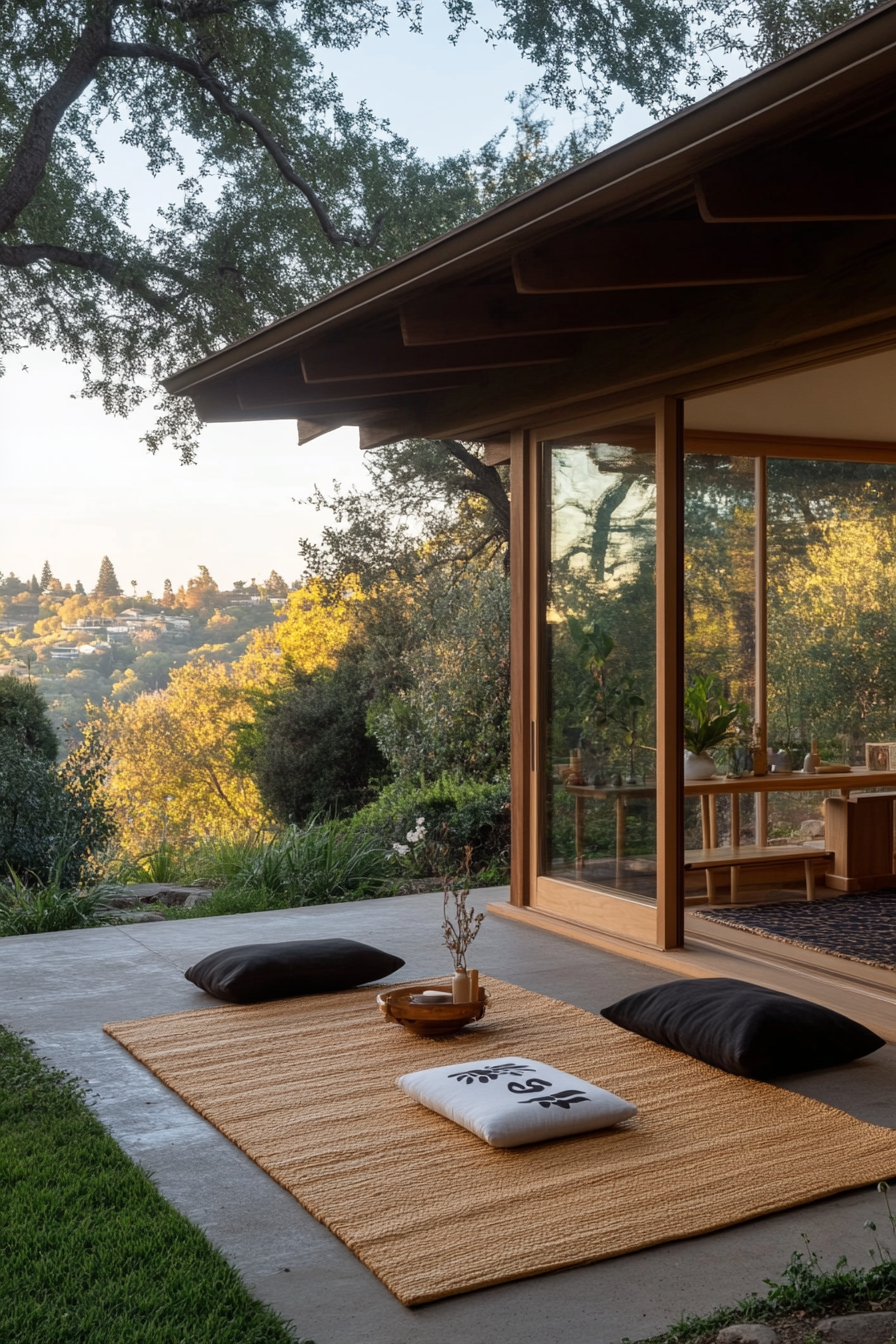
(851, 827)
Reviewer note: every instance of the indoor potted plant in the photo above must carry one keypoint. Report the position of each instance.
(709, 722)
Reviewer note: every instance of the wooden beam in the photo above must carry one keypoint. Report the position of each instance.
(487, 312)
(850, 177)
(377, 431)
(309, 430)
(715, 344)
(387, 356)
(734, 444)
(663, 253)
(280, 385)
(495, 452)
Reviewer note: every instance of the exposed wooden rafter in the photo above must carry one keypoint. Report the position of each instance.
(663, 253)
(273, 386)
(852, 306)
(487, 312)
(849, 177)
(387, 356)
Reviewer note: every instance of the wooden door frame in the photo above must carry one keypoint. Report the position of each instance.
(527, 571)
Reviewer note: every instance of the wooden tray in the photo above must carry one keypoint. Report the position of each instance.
(429, 1019)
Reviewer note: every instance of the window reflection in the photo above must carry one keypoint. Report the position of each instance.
(601, 661)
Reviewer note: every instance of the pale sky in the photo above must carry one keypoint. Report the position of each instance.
(76, 484)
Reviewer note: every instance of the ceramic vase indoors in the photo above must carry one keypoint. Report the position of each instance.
(698, 765)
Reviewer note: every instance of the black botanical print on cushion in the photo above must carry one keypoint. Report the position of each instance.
(491, 1072)
(530, 1085)
(568, 1097)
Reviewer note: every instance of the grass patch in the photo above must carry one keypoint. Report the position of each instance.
(91, 1252)
(805, 1291)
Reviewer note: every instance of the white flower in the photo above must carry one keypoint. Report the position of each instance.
(401, 850)
(421, 821)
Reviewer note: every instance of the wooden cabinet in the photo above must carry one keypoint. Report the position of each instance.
(859, 831)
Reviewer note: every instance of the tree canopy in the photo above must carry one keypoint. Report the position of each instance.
(274, 163)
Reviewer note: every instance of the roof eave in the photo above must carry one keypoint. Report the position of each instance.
(727, 120)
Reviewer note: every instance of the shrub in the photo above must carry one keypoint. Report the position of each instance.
(322, 863)
(24, 719)
(48, 909)
(452, 716)
(53, 819)
(311, 752)
(459, 812)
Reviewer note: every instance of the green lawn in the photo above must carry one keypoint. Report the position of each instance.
(90, 1251)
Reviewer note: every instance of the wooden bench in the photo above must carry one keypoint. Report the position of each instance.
(735, 857)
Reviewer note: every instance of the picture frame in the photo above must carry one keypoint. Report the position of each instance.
(880, 755)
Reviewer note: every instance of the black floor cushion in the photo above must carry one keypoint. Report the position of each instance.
(743, 1028)
(257, 972)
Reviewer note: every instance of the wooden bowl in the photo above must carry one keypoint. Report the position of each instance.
(429, 1019)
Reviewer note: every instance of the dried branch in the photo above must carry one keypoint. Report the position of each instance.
(459, 933)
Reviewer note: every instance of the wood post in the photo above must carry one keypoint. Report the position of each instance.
(670, 673)
(526, 730)
(760, 622)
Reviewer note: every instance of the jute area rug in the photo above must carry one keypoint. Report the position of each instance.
(306, 1087)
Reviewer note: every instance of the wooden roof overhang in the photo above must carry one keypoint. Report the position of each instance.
(752, 233)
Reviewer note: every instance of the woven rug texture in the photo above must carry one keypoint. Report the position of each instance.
(858, 927)
(306, 1087)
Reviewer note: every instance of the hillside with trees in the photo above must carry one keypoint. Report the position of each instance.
(80, 646)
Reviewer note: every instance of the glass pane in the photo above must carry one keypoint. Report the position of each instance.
(720, 608)
(831, 617)
(601, 660)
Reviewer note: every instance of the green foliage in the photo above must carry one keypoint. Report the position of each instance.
(165, 863)
(24, 719)
(709, 718)
(309, 750)
(452, 715)
(48, 908)
(107, 584)
(90, 1249)
(297, 174)
(322, 863)
(457, 813)
(54, 820)
(804, 1287)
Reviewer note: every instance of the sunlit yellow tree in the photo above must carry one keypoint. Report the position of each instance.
(172, 772)
(308, 635)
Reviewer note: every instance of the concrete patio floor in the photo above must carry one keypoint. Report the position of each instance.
(59, 988)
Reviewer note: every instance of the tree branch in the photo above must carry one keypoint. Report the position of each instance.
(31, 158)
(94, 45)
(486, 482)
(215, 89)
(107, 268)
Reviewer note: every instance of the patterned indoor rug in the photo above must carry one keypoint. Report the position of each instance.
(859, 927)
(306, 1087)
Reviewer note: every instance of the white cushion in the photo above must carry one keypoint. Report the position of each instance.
(516, 1100)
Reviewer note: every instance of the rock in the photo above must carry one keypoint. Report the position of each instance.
(139, 917)
(750, 1332)
(865, 1327)
(158, 893)
(197, 897)
(812, 830)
